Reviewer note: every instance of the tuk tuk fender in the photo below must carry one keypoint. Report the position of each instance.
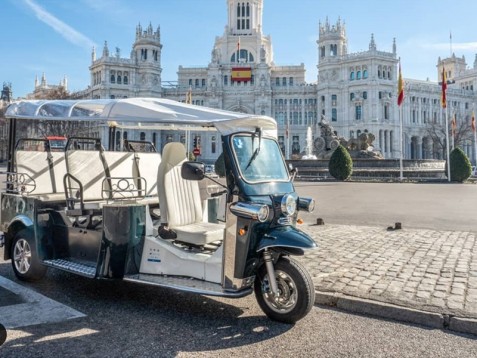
(18, 223)
(293, 240)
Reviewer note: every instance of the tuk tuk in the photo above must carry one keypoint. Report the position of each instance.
(140, 216)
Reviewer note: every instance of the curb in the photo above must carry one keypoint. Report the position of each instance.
(397, 313)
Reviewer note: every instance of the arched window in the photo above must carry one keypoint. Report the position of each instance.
(365, 74)
(226, 80)
(379, 72)
(142, 136)
(351, 76)
(351, 96)
(125, 78)
(284, 81)
(119, 78)
(358, 75)
(290, 81)
(113, 77)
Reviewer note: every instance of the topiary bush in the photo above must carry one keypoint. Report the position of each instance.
(460, 167)
(220, 165)
(341, 164)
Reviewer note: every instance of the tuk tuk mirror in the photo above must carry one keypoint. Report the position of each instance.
(193, 170)
(292, 170)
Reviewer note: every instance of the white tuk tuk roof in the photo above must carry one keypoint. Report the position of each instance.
(141, 110)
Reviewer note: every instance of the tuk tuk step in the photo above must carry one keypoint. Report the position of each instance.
(187, 284)
(73, 267)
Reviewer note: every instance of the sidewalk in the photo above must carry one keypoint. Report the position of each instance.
(420, 276)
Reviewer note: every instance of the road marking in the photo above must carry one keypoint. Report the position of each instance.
(37, 308)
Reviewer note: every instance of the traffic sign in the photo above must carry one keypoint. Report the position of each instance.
(196, 151)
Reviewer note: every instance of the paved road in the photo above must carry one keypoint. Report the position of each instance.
(424, 206)
(128, 320)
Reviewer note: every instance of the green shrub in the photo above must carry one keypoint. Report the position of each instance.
(460, 167)
(220, 165)
(341, 164)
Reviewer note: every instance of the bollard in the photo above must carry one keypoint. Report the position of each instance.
(320, 221)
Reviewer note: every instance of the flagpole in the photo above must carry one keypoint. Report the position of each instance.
(447, 146)
(401, 177)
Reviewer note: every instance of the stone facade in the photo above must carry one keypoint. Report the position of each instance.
(355, 92)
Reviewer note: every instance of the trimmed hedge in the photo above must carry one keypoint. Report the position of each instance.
(460, 167)
(341, 164)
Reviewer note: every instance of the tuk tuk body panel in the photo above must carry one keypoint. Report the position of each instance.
(122, 242)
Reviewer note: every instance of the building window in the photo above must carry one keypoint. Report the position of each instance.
(334, 114)
(113, 77)
(284, 81)
(203, 82)
(142, 136)
(358, 112)
(125, 78)
(119, 78)
(365, 74)
(351, 76)
(226, 80)
(290, 81)
(358, 75)
(386, 111)
(277, 81)
(333, 99)
(196, 82)
(365, 95)
(351, 96)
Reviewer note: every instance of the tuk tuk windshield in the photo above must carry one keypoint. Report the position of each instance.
(259, 159)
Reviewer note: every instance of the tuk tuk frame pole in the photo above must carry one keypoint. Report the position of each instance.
(447, 145)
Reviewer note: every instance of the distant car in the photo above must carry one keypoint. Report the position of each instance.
(210, 170)
(474, 171)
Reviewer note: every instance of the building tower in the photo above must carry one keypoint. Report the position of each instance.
(146, 54)
(332, 41)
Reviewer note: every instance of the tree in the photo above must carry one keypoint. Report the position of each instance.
(220, 165)
(341, 164)
(437, 132)
(460, 167)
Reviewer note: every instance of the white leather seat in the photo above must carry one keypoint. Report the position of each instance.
(180, 200)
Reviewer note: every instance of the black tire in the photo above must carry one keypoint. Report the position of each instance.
(297, 292)
(25, 261)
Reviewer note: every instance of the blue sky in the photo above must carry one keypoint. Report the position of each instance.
(55, 37)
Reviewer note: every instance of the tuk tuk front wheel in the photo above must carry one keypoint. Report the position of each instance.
(25, 262)
(296, 292)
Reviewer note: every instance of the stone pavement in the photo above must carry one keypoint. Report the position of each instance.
(426, 277)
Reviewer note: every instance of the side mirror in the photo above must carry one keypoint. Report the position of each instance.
(193, 171)
(291, 169)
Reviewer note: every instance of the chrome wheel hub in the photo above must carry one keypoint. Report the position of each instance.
(286, 299)
(22, 256)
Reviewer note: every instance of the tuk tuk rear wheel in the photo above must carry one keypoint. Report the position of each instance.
(25, 262)
(296, 292)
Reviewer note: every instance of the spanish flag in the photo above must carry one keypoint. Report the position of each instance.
(400, 87)
(189, 96)
(444, 88)
(472, 122)
(454, 125)
(243, 74)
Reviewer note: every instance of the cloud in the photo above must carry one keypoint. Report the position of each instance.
(60, 27)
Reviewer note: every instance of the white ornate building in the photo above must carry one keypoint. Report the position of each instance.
(355, 92)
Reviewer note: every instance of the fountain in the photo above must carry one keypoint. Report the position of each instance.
(309, 146)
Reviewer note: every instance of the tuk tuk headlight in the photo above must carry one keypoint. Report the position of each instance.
(289, 204)
(263, 213)
(307, 204)
(258, 212)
